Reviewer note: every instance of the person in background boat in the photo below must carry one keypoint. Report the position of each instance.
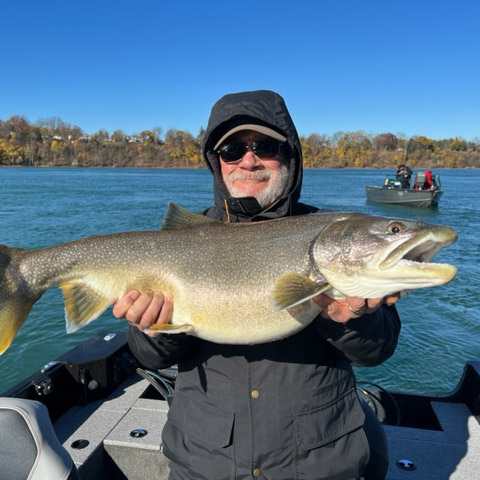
(429, 181)
(404, 175)
(285, 409)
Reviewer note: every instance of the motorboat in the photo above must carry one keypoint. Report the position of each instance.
(416, 195)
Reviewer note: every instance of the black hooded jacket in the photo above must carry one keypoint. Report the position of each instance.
(260, 107)
(283, 410)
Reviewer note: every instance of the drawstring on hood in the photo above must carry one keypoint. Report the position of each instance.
(260, 107)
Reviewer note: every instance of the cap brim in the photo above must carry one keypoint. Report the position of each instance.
(256, 128)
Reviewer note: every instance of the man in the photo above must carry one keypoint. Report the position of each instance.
(404, 175)
(429, 181)
(282, 410)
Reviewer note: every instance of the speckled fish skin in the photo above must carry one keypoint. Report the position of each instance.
(231, 283)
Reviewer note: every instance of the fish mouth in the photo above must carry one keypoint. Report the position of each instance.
(418, 251)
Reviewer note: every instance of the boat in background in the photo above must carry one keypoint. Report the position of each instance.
(392, 192)
(108, 415)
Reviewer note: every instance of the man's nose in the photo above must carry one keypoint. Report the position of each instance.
(249, 160)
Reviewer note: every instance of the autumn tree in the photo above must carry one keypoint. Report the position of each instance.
(18, 129)
(314, 147)
(458, 145)
(53, 142)
(356, 141)
(157, 134)
(423, 143)
(385, 142)
(181, 145)
(147, 136)
(101, 136)
(200, 136)
(118, 136)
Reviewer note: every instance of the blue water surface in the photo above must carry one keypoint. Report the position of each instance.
(46, 206)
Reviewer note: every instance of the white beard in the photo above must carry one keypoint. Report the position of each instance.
(269, 194)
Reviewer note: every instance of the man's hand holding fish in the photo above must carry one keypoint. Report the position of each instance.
(351, 307)
(145, 309)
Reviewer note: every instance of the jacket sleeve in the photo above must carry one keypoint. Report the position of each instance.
(157, 352)
(366, 341)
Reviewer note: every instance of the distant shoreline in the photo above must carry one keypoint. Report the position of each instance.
(205, 168)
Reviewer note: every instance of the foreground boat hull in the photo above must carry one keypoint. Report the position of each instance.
(109, 416)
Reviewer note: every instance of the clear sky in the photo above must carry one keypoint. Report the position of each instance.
(399, 66)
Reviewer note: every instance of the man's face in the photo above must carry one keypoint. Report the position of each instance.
(252, 176)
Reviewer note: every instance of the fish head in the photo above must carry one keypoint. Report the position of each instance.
(371, 257)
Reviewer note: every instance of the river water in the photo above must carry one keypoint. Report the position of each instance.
(47, 206)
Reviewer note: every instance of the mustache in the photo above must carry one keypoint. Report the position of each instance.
(260, 175)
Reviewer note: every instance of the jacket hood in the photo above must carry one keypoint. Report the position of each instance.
(261, 107)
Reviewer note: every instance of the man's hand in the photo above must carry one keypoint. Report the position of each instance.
(144, 309)
(351, 307)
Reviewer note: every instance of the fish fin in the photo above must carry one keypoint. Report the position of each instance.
(294, 288)
(169, 328)
(83, 304)
(178, 217)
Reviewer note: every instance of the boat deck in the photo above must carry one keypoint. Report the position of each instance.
(450, 452)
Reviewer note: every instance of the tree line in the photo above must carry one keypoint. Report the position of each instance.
(54, 143)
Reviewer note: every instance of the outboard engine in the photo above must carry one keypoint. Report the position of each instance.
(419, 180)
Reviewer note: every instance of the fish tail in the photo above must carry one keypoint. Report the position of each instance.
(16, 300)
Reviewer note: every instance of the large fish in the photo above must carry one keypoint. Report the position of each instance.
(231, 283)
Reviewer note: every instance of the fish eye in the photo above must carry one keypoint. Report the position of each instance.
(395, 227)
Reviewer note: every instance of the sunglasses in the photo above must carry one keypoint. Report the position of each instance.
(263, 148)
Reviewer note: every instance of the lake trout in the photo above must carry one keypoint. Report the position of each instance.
(232, 283)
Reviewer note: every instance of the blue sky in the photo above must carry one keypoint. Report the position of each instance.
(409, 67)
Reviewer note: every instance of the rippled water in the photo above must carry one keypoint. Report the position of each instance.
(42, 207)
